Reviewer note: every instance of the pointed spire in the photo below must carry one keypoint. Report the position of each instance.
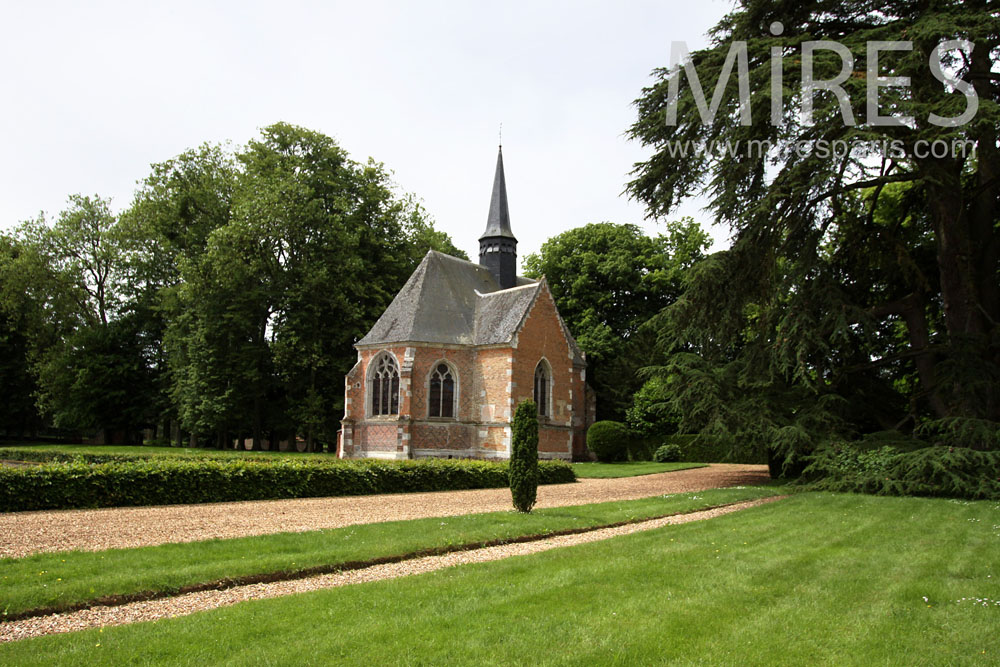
(498, 222)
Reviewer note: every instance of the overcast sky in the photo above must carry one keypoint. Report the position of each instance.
(97, 91)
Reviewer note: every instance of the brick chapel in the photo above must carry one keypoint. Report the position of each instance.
(440, 373)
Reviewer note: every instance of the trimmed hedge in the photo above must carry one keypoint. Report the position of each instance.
(49, 455)
(169, 481)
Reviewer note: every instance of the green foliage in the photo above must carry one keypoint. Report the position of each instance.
(667, 453)
(523, 468)
(18, 412)
(649, 415)
(608, 440)
(961, 432)
(846, 468)
(898, 441)
(84, 337)
(311, 237)
(703, 449)
(209, 301)
(859, 293)
(954, 472)
(171, 481)
(125, 454)
(85, 246)
(608, 280)
(102, 379)
(743, 417)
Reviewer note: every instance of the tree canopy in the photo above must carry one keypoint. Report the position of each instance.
(608, 280)
(226, 298)
(861, 290)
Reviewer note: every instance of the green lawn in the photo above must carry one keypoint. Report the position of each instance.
(815, 579)
(630, 469)
(66, 578)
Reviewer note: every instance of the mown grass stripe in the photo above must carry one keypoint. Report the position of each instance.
(818, 578)
(345, 566)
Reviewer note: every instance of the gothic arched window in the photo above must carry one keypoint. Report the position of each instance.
(383, 386)
(543, 388)
(441, 398)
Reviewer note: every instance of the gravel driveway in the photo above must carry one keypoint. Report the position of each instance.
(190, 603)
(23, 533)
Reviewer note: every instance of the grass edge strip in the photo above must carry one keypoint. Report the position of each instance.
(344, 566)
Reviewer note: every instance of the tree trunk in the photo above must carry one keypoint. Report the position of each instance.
(915, 316)
(968, 333)
(256, 444)
(258, 398)
(963, 216)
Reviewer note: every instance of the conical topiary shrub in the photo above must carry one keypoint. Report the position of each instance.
(524, 456)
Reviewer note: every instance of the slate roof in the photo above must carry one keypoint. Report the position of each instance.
(453, 301)
(498, 222)
(499, 315)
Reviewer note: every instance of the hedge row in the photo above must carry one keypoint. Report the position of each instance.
(161, 482)
(693, 448)
(186, 454)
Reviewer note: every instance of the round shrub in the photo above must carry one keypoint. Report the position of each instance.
(608, 440)
(667, 453)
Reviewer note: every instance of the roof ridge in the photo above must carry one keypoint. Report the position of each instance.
(509, 289)
(459, 260)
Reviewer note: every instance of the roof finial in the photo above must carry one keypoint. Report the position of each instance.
(501, 134)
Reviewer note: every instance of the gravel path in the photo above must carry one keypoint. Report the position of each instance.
(23, 533)
(194, 602)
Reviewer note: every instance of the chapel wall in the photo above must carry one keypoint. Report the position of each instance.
(542, 336)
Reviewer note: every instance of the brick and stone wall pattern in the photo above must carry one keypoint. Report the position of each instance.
(372, 436)
(456, 436)
(554, 440)
(378, 433)
(354, 392)
(542, 336)
(462, 364)
(493, 377)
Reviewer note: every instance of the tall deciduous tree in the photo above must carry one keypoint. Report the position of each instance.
(864, 252)
(23, 328)
(177, 206)
(333, 243)
(608, 280)
(227, 298)
(278, 275)
(88, 355)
